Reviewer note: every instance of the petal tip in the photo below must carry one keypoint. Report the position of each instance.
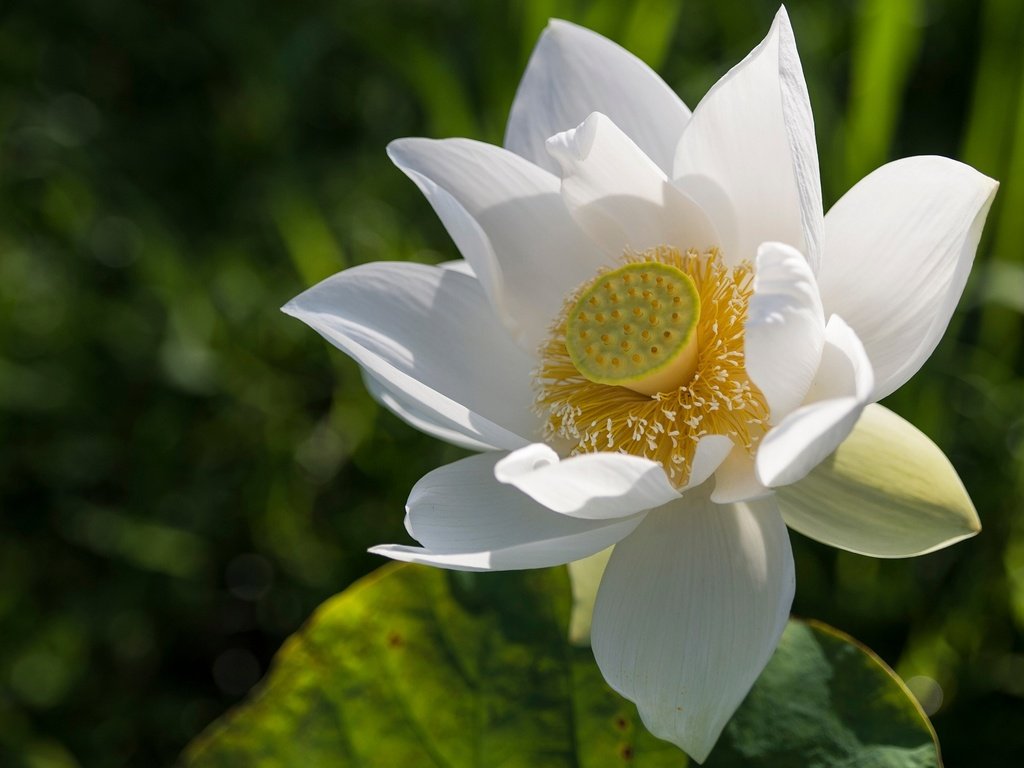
(398, 150)
(403, 151)
(561, 26)
(695, 742)
(394, 148)
(971, 520)
(527, 459)
(782, 27)
(574, 145)
(294, 307)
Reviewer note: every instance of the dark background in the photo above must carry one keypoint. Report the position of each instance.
(185, 472)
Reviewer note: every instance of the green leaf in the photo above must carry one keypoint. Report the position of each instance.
(826, 701)
(420, 667)
(887, 491)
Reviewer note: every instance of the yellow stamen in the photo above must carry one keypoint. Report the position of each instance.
(585, 415)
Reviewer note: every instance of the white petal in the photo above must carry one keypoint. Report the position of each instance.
(751, 142)
(841, 389)
(594, 486)
(898, 248)
(467, 520)
(888, 491)
(785, 330)
(711, 451)
(689, 611)
(425, 419)
(429, 338)
(620, 197)
(458, 265)
(736, 479)
(573, 72)
(507, 218)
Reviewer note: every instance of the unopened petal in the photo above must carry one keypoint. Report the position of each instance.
(887, 491)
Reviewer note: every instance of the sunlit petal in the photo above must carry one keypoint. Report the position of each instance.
(420, 331)
(785, 330)
(620, 197)
(838, 394)
(748, 155)
(507, 218)
(574, 72)
(467, 520)
(898, 249)
(594, 486)
(689, 611)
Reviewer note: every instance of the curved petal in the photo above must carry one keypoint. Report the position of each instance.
(458, 265)
(785, 330)
(594, 486)
(736, 479)
(712, 451)
(841, 389)
(507, 219)
(573, 72)
(619, 196)
(887, 491)
(428, 337)
(689, 611)
(898, 248)
(430, 420)
(751, 141)
(466, 520)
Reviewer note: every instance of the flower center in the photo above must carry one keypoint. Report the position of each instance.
(648, 358)
(635, 327)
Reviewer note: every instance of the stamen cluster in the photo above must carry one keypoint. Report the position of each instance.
(584, 416)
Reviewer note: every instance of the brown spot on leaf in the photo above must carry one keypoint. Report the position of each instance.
(395, 640)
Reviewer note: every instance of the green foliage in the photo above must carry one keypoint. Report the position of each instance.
(415, 666)
(888, 35)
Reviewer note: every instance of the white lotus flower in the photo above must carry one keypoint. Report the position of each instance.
(657, 340)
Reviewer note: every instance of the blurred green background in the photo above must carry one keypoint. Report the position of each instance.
(185, 472)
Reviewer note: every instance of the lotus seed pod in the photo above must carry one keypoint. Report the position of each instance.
(635, 327)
